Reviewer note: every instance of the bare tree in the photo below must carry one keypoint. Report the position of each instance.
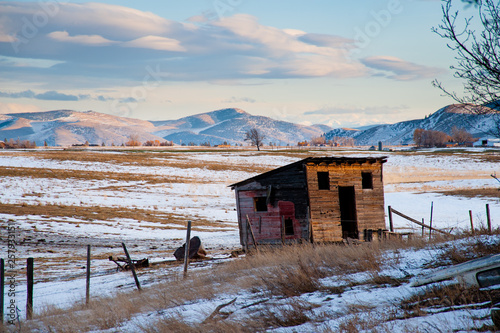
(477, 55)
(133, 141)
(429, 138)
(318, 141)
(255, 137)
(460, 135)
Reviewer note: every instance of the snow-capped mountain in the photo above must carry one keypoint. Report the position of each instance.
(230, 125)
(66, 127)
(442, 120)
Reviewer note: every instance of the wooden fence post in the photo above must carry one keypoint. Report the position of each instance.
(488, 218)
(430, 229)
(87, 289)
(29, 277)
(186, 250)
(471, 222)
(430, 220)
(2, 287)
(132, 267)
(391, 227)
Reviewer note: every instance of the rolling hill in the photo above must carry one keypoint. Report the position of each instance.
(442, 120)
(66, 127)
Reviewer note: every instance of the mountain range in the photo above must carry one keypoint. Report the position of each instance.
(455, 115)
(66, 127)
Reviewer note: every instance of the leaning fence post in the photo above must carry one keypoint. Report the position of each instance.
(249, 226)
(391, 227)
(488, 218)
(29, 276)
(132, 267)
(471, 222)
(186, 250)
(2, 287)
(87, 289)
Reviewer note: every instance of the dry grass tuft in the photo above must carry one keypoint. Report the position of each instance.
(287, 281)
(104, 213)
(361, 319)
(141, 158)
(493, 192)
(444, 298)
(293, 313)
(276, 276)
(89, 175)
(176, 324)
(473, 249)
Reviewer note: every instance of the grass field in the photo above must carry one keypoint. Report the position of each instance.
(61, 200)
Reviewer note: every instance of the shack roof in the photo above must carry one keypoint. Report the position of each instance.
(314, 160)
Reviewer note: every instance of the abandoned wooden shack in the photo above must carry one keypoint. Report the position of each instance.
(317, 199)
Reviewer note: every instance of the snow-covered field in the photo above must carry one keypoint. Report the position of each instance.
(194, 186)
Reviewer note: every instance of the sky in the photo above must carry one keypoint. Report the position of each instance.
(339, 63)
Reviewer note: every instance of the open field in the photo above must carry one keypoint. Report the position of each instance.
(59, 201)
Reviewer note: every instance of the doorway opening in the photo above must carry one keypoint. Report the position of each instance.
(348, 218)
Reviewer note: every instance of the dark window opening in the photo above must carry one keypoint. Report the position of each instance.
(260, 204)
(366, 180)
(323, 181)
(289, 227)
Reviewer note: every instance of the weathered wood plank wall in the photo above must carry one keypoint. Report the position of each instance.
(325, 208)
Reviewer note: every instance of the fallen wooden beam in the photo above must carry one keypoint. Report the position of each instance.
(123, 264)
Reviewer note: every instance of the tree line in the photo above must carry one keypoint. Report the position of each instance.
(431, 138)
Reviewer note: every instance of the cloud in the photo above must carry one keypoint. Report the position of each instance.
(63, 36)
(156, 43)
(128, 100)
(17, 108)
(56, 96)
(52, 96)
(327, 40)
(21, 94)
(89, 39)
(27, 62)
(239, 100)
(398, 69)
(111, 42)
(102, 98)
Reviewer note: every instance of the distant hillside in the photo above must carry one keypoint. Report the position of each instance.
(442, 120)
(66, 127)
(230, 125)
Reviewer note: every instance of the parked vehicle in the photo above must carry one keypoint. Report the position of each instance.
(483, 273)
